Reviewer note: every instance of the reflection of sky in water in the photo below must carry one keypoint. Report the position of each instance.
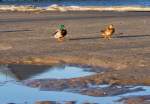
(63, 73)
(5, 76)
(146, 92)
(19, 94)
(14, 92)
(100, 86)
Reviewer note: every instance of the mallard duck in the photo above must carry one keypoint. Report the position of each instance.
(60, 33)
(108, 32)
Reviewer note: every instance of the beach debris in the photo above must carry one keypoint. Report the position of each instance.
(60, 33)
(108, 32)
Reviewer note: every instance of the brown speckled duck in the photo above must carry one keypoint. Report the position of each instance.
(108, 32)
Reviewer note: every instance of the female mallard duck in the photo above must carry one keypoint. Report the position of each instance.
(108, 32)
(60, 33)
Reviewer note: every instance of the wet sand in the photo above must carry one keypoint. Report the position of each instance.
(25, 38)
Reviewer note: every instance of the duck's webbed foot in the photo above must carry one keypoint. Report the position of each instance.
(109, 38)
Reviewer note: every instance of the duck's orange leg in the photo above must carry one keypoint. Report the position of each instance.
(60, 39)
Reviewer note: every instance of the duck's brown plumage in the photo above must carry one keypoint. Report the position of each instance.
(108, 32)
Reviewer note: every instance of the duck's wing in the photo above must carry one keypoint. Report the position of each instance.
(54, 33)
(102, 31)
(113, 30)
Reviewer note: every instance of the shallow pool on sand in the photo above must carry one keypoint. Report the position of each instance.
(13, 90)
(64, 72)
(22, 72)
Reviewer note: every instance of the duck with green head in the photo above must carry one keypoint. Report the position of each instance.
(60, 33)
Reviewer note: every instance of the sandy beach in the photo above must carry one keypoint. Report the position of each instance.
(25, 35)
(25, 38)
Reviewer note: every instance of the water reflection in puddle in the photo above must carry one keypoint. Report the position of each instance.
(23, 72)
(13, 91)
(65, 72)
(19, 94)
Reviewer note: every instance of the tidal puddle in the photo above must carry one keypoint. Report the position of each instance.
(65, 72)
(23, 72)
(14, 91)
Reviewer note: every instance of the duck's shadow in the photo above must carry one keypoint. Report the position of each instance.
(131, 36)
(85, 38)
(23, 30)
(119, 36)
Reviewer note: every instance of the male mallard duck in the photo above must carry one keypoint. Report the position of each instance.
(60, 33)
(108, 32)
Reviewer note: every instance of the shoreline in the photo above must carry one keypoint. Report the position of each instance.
(55, 7)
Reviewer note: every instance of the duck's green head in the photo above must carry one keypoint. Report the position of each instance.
(61, 26)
